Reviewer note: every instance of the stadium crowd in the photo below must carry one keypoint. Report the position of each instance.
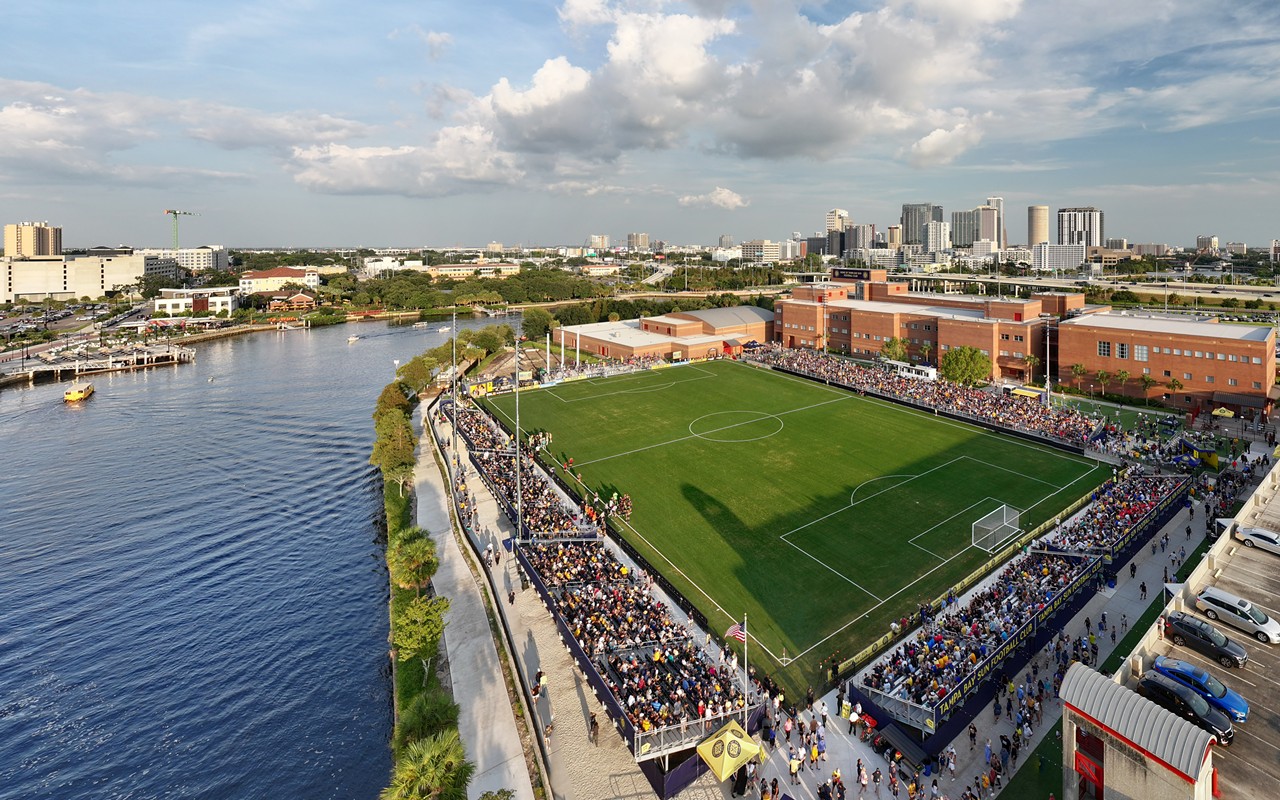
(950, 644)
(1017, 413)
(646, 656)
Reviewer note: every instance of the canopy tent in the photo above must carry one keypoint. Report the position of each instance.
(1222, 411)
(727, 749)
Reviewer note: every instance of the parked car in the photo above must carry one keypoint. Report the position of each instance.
(1228, 701)
(1236, 611)
(1185, 630)
(1260, 538)
(1179, 699)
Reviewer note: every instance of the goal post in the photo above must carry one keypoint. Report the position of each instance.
(995, 529)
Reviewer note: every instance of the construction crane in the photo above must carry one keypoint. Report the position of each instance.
(173, 212)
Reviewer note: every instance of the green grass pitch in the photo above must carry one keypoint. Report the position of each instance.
(821, 514)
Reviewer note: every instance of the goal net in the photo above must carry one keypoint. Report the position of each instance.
(997, 528)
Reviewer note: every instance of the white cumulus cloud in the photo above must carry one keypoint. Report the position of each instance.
(718, 197)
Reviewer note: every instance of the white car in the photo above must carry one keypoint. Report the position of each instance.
(1260, 538)
(1219, 604)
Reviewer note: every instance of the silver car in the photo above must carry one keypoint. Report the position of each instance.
(1260, 538)
(1218, 604)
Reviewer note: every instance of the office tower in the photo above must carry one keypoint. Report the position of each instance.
(816, 244)
(28, 239)
(964, 228)
(859, 236)
(1037, 225)
(725, 240)
(637, 241)
(1002, 238)
(914, 217)
(937, 236)
(836, 242)
(1081, 226)
(893, 236)
(837, 220)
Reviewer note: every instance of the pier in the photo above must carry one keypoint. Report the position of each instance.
(92, 360)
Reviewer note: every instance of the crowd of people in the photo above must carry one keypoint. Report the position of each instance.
(1017, 413)
(952, 642)
(1114, 508)
(647, 657)
(946, 649)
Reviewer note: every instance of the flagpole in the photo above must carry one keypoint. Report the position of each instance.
(745, 673)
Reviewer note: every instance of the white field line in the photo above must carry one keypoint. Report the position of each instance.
(832, 570)
(700, 590)
(912, 540)
(635, 379)
(853, 502)
(704, 434)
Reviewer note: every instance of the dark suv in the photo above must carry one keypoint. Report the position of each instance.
(1187, 704)
(1185, 630)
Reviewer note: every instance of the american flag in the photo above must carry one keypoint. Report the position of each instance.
(736, 632)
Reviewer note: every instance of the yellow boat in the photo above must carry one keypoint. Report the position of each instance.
(78, 392)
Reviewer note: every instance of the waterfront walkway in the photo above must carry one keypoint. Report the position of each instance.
(486, 721)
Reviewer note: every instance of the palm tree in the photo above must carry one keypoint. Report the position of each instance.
(925, 349)
(1078, 370)
(412, 562)
(1122, 376)
(434, 768)
(1147, 383)
(1104, 377)
(1174, 384)
(1032, 362)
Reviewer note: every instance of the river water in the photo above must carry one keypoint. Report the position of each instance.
(192, 595)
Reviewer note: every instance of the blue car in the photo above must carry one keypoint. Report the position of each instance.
(1202, 683)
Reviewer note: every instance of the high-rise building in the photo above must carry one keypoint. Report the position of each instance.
(725, 240)
(816, 244)
(1081, 226)
(598, 241)
(937, 236)
(837, 219)
(29, 239)
(1002, 236)
(761, 251)
(964, 228)
(893, 236)
(1037, 225)
(859, 236)
(1047, 257)
(836, 243)
(1204, 243)
(914, 217)
(637, 241)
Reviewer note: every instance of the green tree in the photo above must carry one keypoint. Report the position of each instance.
(536, 322)
(925, 349)
(1032, 361)
(430, 712)
(1147, 383)
(1122, 377)
(417, 372)
(419, 628)
(1078, 370)
(894, 349)
(1174, 384)
(501, 794)
(435, 768)
(412, 560)
(965, 365)
(1104, 377)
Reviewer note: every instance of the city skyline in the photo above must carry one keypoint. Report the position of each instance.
(317, 124)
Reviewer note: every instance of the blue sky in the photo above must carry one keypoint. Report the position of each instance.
(306, 122)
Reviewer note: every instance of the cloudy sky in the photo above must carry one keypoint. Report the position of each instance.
(308, 122)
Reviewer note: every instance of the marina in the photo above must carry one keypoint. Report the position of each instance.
(57, 365)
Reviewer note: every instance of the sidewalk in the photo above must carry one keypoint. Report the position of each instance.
(486, 722)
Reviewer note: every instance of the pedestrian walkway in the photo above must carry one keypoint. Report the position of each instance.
(486, 722)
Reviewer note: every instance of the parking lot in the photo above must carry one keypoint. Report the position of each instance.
(1250, 767)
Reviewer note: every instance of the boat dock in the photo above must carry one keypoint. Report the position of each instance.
(72, 363)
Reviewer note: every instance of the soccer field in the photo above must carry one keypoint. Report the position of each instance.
(821, 514)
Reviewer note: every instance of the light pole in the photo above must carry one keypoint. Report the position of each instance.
(454, 426)
(519, 492)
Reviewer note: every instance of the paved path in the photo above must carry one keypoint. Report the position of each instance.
(486, 721)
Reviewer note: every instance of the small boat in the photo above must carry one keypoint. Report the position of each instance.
(443, 329)
(352, 339)
(77, 392)
(421, 326)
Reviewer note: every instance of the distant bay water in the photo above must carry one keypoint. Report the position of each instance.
(192, 595)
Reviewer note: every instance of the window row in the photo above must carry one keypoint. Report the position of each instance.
(1141, 352)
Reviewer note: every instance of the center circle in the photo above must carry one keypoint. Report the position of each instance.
(736, 426)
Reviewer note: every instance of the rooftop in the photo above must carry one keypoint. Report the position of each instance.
(1172, 325)
(941, 312)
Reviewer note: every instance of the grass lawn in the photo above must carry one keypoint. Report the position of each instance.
(821, 514)
(1127, 415)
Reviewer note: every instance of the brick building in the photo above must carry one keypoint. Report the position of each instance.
(1196, 363)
